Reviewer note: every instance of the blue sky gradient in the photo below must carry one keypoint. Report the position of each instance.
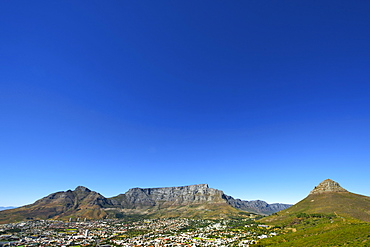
(261, 99)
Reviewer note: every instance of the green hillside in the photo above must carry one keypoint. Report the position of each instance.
(205, 210)
(315, 232)
(191, 211)
(344, 204)
(328, 216)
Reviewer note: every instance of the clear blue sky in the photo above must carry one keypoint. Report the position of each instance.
(261, 99)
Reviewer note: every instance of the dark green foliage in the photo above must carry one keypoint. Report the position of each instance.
(120, 215)
(10, 231)
(316, 215)
(240, 223)
(244, 213)
(134, 233)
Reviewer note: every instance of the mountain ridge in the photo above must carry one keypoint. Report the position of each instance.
(181, 200)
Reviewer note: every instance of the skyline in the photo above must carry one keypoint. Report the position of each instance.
(263, 100)
(153, 188)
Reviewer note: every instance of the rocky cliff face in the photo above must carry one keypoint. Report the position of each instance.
(137, 197)
(184, 201)
(192, 194)
(327, 185)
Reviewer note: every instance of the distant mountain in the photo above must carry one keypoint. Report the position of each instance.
(5, 208)
(184, 201)
(326, 198)
(184, 195)
(162, 200)
(258, 206)
(81, 202)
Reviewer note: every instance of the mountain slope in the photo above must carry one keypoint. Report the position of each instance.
(327, 198)
(81, 202)
(184, 201)
(138, 198)
(328, 216)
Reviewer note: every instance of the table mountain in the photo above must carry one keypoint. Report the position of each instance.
(184, 195)
(184, 201)
(194, 194)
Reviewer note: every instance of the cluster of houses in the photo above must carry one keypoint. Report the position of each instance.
(190, 232)
(149, 232)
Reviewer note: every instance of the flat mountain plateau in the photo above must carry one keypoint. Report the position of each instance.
(193, 201)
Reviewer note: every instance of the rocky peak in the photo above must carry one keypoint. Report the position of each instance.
(82, 189)
(327, 185)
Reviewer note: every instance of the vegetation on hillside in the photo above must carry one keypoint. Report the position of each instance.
(323, 219)
(321, 230)
(344, 204)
